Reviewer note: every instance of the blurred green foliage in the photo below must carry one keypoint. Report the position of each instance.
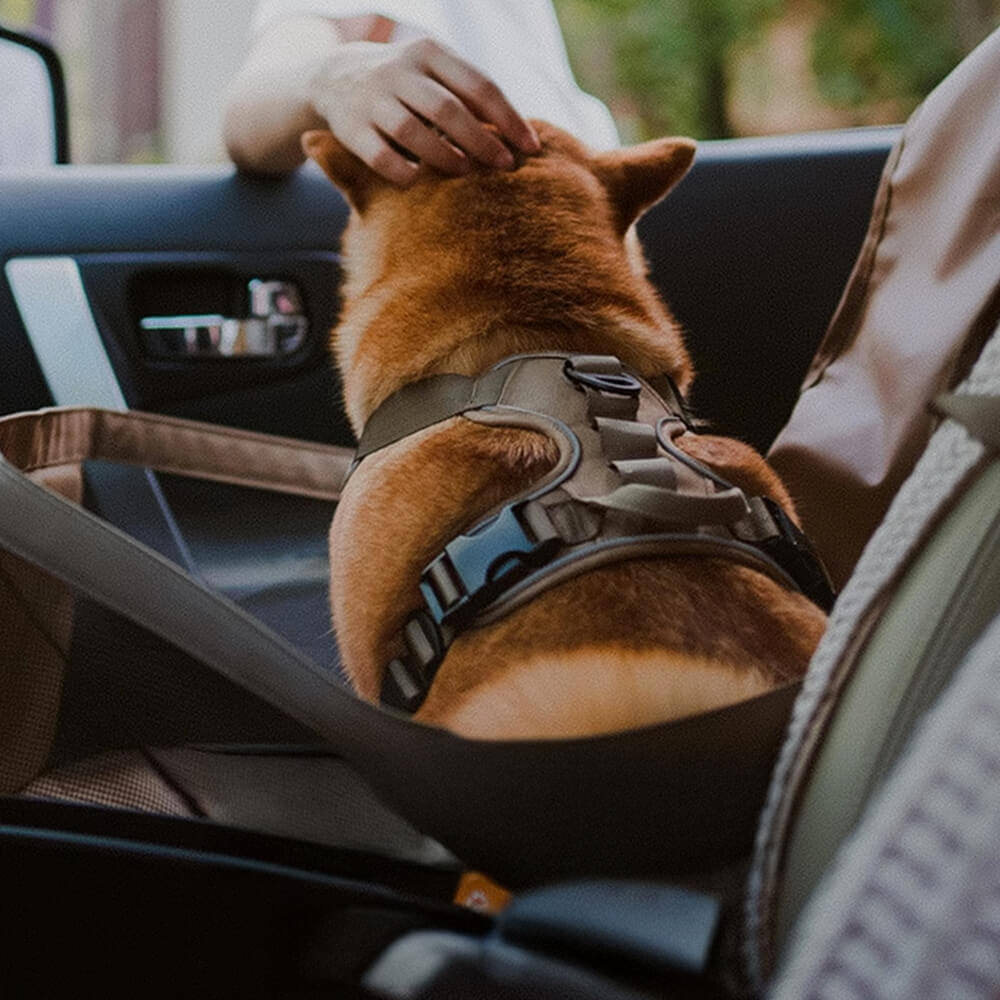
(864, 51)
(668, 66)
(667, 70)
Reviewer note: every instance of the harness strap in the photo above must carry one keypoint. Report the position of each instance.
(666, 506)
(422, 404)
(625, 492)
(427, 402)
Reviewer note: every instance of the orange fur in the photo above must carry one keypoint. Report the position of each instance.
(452, 275)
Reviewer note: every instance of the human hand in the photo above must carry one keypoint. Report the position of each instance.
(381, 99)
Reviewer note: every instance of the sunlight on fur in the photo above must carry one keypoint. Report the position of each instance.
(598, 691)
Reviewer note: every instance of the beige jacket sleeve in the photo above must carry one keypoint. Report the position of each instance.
(923, 297)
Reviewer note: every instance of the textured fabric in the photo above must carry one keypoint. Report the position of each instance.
(304, 794)
(122, 779)
(36, 621)
(517, 43)
(939, 475)
(912, 906)
(35, 625)
(924, 294)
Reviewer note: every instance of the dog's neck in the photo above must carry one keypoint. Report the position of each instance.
(478, 321)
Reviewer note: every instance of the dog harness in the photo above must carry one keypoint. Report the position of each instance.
(620, 489)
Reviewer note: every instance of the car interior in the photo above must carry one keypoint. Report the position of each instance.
(203, 294)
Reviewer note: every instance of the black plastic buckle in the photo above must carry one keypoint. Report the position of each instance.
(473, 569)
(615, 383)
(794, 553)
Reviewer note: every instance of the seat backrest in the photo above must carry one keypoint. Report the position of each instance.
(925, 591)
(908, 908)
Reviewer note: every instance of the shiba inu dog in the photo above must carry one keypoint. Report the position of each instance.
(452, 276)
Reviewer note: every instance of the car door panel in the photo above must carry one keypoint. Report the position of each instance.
(179, 241)
(751, 251)
(125, 288)
(96, 250)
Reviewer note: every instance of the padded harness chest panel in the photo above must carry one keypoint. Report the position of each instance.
(621, 490)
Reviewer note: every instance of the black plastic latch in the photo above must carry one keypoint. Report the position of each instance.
(407, 680)
(792, 550)
(475, 568)
(657, 927)
(472, 570)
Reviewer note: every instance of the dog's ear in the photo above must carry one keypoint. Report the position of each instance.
(354, 178)
(636, 177)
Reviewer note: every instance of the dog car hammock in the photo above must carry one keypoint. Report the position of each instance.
(621, 489)
(556, 809)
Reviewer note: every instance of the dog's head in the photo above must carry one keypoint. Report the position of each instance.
(541, 257)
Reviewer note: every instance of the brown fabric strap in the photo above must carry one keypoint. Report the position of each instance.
(421, 404)
(57, 437)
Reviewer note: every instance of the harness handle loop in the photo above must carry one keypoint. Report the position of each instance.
(665, 506)
(611, 391)
(618, 384)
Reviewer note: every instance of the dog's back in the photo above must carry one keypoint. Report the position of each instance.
(453, 275)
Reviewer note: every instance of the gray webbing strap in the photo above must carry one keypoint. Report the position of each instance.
(425, 403)
(136, 582)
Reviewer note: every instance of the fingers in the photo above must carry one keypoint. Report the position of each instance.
(398, 104)
(419, 126)
(371, 147)
(394, 141)
(447, 116)
(481, 97)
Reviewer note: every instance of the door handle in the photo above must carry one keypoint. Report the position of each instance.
(276, 327)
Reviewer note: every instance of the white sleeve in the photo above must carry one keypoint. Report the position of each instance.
(517, 43)
(418, 13)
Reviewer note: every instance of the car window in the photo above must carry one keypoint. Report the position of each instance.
(721, 68)
(146, 77)
(27, 133)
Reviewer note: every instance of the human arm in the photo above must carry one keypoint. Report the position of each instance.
(378, 98)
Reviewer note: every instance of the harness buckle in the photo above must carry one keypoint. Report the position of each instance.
(791, 549)
(475, 568)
